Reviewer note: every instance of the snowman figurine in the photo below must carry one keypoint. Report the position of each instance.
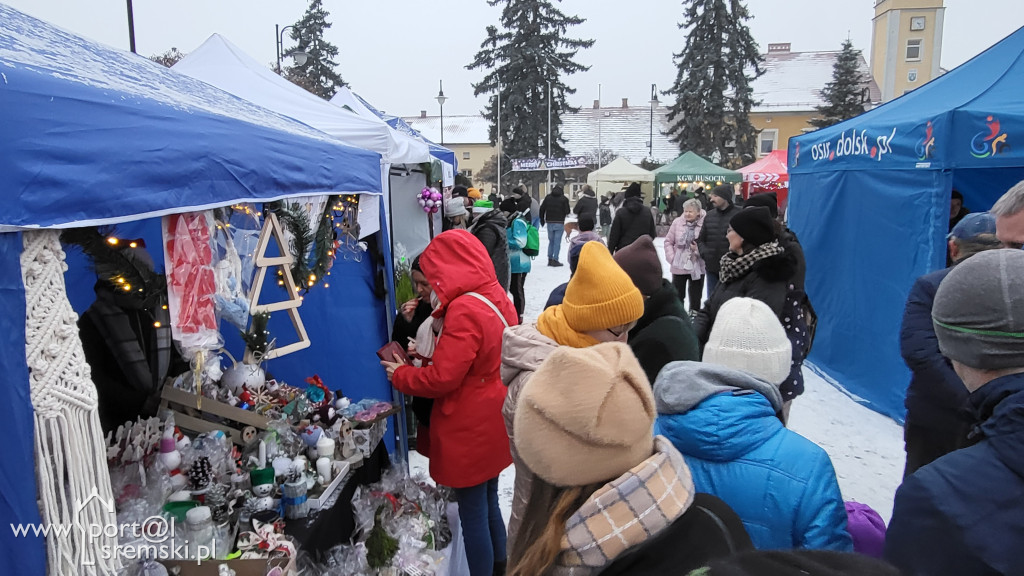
(263, 488)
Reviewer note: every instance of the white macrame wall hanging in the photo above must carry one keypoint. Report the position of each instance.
(71, 465)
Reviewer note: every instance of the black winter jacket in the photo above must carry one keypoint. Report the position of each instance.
(554, 208)
(936, 397)
(664, 333)
(632, 221)
(964, 513)
(712, 243)
(489, 229)
(586, 205)
(788, 240)
(768, 281)
(709, 529)
(401, 333)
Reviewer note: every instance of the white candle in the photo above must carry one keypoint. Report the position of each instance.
(263, 454)
(323, 468)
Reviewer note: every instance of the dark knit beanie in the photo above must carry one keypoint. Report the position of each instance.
(586, 222)
(508, 205)
(633, 191)
(574, 256)
(797, 563)
(754, 225)
(769, 201)
(724, 191)
(978, 312)
(460, 192)
(640, 260)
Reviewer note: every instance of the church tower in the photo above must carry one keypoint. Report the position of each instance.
(906, 44)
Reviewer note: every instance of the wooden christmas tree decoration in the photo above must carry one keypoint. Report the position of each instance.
(272, 229)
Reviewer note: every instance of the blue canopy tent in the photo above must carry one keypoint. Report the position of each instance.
(93, 136)
(869, 200)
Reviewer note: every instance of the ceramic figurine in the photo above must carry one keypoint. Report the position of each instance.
(348, 441)
(242, 374)
(311, 435)
(263, 488)
(170, 457)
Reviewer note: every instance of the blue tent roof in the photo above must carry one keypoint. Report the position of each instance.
(962, 119)
(870, 202)
(108, 135)
(437, 151)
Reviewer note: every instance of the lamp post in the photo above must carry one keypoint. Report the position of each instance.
(299, 55)
(131, 27)
(654, 102)
(548, 190)
(441, 99)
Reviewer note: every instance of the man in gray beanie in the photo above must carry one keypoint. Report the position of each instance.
(964, 513)
(712, 242)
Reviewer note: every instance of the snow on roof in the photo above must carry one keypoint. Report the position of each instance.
(792, 81)
(623, 130)
(457, 129)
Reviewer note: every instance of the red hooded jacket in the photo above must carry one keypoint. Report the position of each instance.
(468, 442)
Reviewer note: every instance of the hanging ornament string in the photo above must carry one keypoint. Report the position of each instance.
(430, 200)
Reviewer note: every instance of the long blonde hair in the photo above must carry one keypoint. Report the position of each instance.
(543, 527)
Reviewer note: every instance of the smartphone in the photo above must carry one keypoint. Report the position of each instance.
(388, 352)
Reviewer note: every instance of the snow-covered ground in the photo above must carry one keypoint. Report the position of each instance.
(866, 448)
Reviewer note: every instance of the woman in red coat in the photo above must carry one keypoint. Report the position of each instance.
(468, 443)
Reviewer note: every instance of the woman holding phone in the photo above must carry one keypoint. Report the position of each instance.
(469, 446)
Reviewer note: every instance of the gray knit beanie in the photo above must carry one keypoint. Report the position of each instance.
(979, 311)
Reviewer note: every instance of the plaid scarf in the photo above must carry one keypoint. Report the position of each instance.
(733, 267)
(626, 512)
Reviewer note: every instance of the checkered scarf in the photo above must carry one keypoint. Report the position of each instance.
(626, 512)
(733, 268)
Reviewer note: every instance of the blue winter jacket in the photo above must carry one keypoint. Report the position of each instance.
(936, 397)
(780, 484)
(964, 513)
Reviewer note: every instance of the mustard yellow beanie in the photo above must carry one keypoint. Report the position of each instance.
(600, 294)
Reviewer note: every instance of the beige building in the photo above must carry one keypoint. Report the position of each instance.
(467, 136)
(789, 92)
(906, 44)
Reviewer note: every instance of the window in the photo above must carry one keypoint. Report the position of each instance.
(767, 142)
(914, 49)
(465, 155)
(466, 173)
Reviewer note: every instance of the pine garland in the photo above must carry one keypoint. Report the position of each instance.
(304, 240)
(381, 547)
(257, 337)
(118, 261)
(323, 246)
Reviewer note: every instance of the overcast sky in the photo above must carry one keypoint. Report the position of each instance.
(394, 52)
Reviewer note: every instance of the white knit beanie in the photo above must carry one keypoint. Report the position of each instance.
(747, 336)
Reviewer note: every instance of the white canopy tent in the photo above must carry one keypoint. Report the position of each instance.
(618, 172)
(220, 63)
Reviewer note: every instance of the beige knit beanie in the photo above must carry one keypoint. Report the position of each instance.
(747, 336)
(586, 415)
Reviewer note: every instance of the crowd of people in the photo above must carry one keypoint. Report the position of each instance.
(649, 437)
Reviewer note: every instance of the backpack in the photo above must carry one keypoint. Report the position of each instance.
(532, 247)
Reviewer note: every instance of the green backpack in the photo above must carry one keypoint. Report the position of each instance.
(532, 247)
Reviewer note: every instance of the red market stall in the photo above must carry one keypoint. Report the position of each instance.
(769, 174)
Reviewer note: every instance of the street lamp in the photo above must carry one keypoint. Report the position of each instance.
(654, 102)
(299, 55)
(441, 99)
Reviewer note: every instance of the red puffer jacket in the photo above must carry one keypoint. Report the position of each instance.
(468, 443)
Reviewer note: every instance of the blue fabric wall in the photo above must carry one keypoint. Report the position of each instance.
(867, 236)
(18, 555)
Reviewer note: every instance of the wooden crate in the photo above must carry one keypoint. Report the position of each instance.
(209, 415)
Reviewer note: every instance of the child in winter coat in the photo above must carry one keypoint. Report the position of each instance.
(723, 415)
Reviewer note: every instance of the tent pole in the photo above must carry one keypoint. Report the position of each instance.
(131, 28)
(391, 306)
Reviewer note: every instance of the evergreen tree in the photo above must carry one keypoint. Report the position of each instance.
(844, 95)
(169, 58)
(712, 88)
(317, 74)
(530, 53)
